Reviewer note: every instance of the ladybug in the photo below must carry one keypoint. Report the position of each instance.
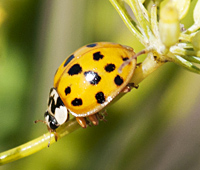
(87, 81)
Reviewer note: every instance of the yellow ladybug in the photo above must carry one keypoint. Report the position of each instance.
(87, 81)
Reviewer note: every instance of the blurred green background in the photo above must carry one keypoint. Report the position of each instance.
(155, 127)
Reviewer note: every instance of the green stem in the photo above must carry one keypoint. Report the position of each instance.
(37, 144)
(127, 20)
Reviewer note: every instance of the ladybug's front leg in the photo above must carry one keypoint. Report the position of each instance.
(129, 86)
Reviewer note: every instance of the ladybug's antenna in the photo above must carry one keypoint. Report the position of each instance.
(40, 121)
(55, 134)
(50, 131)
(130, 59)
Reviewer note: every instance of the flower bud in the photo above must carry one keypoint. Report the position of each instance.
(169, 26)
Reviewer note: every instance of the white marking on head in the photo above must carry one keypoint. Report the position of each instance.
(61, 114)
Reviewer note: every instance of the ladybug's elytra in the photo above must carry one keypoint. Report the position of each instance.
(87, 81)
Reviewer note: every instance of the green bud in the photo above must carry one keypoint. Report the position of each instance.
(181, 5)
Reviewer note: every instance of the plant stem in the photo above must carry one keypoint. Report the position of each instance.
(37, 144)
(149, 65)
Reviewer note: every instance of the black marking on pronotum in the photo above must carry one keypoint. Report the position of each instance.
(110, 67)
(50, 91)
(46, 114)
(92, 77)
(75, 69)
(100, 97)
(91, 45)
(68, 59)
(53, 105)
(118, 80)
(67, 90)
(97, 56)
(77, 102)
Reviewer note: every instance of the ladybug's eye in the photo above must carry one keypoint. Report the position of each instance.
(52, 125)
(51, 120)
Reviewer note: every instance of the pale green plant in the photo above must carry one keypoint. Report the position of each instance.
(165, 40)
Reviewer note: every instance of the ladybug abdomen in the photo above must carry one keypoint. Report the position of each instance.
(89, 80)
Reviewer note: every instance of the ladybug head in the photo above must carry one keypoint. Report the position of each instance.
(56, 113)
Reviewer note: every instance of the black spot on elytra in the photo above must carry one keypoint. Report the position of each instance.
(67, 90)
(77, 102)
(92, 77)
(75, 69)
(125, 58)
(110, 67)
(118, 80)
(91, 45)
(100, 97)
(68, 59)
(97, 56)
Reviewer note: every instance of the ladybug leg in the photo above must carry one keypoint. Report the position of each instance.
(81, 121)
(133, 85)
(129, 86)
(138, 64)
(88, 122)
(101, 116)
(93, 119)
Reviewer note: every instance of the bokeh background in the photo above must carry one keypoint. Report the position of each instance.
(155, 127)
